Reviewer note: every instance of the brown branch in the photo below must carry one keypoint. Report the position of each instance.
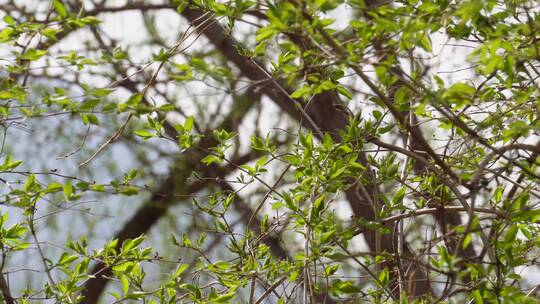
(4, 287)
(6, 294)
(453, 209)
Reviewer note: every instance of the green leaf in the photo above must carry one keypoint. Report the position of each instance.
(90, 20)
(301, 92)
(33, 54)
(167, 107)
(402, 95)
(30, 182)
(510, 236)
(53, 187)
(466, 241)
(8, 20)
(344, 287)
(264, 34)
(343, 91)
(459, 93)
(338, 173)
(188, 125)
(307, 140)
(399, 196)
(257, 143)
(9, 164)
(68, 191)
(384, 276)
(224, 298)
(90, 118)
(144, 134)
(330, 270)
(497, 196)
(184, 72)
(129, 190)
(210, 159)
(60, 8)
(66, 259)
(89, 104)
(222, 265)
(425, 43)
(134, 99)
(125, 283)
(123, 267)
(181, 269)
(6, 35)
(136, 295)
(318, 206)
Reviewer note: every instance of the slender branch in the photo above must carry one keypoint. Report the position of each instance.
(4, 287)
